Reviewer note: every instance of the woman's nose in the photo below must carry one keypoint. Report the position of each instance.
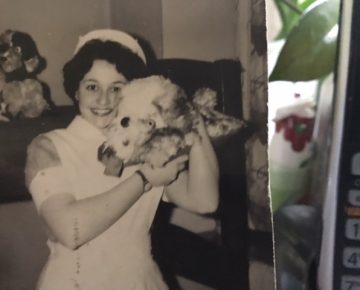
(103, 98)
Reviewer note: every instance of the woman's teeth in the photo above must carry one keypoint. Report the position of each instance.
(101, 112)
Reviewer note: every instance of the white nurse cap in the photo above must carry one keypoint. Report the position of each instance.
(113, 35)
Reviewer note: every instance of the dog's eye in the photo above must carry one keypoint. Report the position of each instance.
(18, 49)
(125, 122)
(151, 123)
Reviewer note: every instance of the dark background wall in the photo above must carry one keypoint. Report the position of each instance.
(201, 29)
(142, 18)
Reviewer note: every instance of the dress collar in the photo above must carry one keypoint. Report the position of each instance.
(82, 128)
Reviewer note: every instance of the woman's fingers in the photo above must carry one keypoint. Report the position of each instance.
(181, 159)
(181, 166)
(165, 175)
(179, 163)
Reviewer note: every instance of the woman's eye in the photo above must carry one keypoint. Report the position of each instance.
(116, 89)
(92, 87)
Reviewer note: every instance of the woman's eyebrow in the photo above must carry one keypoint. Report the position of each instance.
(90, 80)
(120, 82)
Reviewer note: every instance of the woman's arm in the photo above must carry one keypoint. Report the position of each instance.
(197, 189)
(75, 222)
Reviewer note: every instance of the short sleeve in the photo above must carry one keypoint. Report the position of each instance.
(41, 154)
(44, 173)
(48, 182)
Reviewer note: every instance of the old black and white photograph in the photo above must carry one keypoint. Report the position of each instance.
(133, 148)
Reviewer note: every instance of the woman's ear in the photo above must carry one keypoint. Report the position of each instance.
(77, 96)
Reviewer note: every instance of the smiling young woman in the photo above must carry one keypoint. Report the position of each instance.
(99, 93)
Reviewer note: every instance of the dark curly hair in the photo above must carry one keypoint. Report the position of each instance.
(126, 62)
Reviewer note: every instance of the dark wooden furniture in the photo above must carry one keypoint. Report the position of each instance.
(15, 136)
(220, 263)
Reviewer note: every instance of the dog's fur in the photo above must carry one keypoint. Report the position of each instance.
(156, 121)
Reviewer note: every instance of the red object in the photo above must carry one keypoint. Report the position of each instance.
(297, 130)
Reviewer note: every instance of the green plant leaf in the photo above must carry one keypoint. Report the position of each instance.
(304, 4)
(309, 51)
(290, 12)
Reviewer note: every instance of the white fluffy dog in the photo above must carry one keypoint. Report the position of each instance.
(156, 122)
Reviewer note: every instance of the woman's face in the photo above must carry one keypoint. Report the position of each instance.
(99, 93)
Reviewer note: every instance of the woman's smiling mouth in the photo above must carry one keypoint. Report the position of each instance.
(101, 112)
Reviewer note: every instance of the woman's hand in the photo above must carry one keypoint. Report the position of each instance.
(167, 174)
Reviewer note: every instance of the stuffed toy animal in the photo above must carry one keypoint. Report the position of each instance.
(22, 95)
(157, 121)
(2, 104)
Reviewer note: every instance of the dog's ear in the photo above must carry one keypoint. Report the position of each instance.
(32, 64)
